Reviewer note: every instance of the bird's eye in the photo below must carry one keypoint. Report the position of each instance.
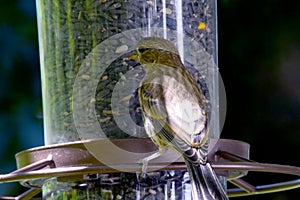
(142, 49)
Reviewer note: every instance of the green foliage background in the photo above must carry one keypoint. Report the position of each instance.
(259, 60)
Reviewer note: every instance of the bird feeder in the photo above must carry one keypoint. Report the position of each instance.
(93, 129)
(90, 85)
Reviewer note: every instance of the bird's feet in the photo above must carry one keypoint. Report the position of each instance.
(145, 161)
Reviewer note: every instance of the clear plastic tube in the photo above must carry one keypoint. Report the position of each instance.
(84, 43)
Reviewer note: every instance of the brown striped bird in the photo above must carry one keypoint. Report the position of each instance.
(175, 114)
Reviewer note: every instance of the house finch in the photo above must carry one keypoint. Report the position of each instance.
(174, 113)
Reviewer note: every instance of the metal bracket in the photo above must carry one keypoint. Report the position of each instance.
(228, 157)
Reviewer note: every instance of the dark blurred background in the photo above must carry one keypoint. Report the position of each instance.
(259, 60)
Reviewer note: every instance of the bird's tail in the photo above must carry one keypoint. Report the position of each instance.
(205, 183)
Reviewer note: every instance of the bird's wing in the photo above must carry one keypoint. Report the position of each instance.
(186, 116)
(174, 109)
(151, 99)
(153, 105)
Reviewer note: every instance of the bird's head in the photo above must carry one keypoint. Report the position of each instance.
(149, 50)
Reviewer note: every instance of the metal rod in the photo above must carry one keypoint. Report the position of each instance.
(37, 165)
(28, 194)
(243, 185)
(24, 196)
(258, 167)
(81, 170)
(263, 189)
(232, 157)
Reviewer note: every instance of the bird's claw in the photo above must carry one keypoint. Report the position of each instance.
(144, 163)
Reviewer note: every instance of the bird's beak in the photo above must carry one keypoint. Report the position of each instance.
(134, 56)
